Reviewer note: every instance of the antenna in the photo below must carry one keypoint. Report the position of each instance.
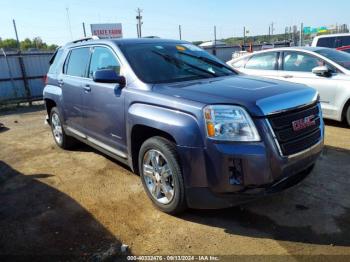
(68, 23)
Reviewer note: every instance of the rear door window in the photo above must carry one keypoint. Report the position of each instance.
(266, 61)
(78, 61)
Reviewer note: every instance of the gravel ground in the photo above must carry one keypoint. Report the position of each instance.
(82, 203)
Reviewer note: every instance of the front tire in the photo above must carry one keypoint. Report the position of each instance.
(161, 175)
(60, 137)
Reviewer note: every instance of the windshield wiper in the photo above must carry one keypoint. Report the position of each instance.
(177, 62)
(207, 60)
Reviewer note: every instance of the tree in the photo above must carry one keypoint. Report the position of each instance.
(27, 43)
(8, 43)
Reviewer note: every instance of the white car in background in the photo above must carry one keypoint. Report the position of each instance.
(327, 70)
(331, 41)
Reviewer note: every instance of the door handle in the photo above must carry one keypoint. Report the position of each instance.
(288, 76)
(87, 88)
(60, 82)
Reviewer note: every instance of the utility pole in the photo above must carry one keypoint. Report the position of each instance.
(272, 28)
(214, 50)
(84, 31)
(269, 34)
(301, 34)
(243, 35)
(180, 32)
(285, 34)
(15, 28)
(139, 21)
(22, 66)
(272, 31)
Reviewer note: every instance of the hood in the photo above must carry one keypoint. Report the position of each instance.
(259, 96)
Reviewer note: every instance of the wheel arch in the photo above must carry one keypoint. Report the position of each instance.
(49, 104)
(345, 108)
(139, 134)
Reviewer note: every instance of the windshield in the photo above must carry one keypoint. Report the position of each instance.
(170, 62)
(339, 57)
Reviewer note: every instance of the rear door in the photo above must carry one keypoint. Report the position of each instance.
(71, 81)
(263, 64)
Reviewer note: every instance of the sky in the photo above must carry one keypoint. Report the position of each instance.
(48, 18)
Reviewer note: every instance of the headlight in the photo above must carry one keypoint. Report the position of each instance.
(229, 123)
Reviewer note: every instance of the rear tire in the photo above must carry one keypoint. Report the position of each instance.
(62, 140)
(161, 175)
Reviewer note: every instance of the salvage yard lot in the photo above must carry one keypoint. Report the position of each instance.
(80, 202)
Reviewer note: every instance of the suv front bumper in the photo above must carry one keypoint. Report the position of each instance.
(226, 174)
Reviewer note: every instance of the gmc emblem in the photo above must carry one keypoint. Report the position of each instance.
(304, 123)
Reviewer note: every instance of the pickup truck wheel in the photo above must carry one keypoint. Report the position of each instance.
(60, 137)
(161, 175)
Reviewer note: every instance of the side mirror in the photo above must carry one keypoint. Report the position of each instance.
(108, 76)
(322, 71)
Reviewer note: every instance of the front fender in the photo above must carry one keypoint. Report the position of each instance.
(183, 127)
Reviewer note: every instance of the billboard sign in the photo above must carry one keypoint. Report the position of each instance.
(315, 30)
(107, 30)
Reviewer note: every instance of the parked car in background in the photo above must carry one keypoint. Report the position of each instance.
(344, 48)
(199, 134)
(325, 69)
(331, 41)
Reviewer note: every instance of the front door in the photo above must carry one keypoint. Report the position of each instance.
(103, 112)
(297, 68)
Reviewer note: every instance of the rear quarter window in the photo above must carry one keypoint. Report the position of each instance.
(240, 63)
(55, 62)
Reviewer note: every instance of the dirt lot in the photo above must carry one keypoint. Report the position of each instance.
(82, 203)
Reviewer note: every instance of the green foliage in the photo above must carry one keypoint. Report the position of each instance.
(35, 43)
(8, 43)
(256, 39)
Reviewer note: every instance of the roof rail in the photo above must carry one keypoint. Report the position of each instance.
(94, 37)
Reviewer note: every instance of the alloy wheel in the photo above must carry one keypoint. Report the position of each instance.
(158, 176)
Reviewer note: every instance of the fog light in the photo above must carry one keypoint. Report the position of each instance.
(236, 172)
